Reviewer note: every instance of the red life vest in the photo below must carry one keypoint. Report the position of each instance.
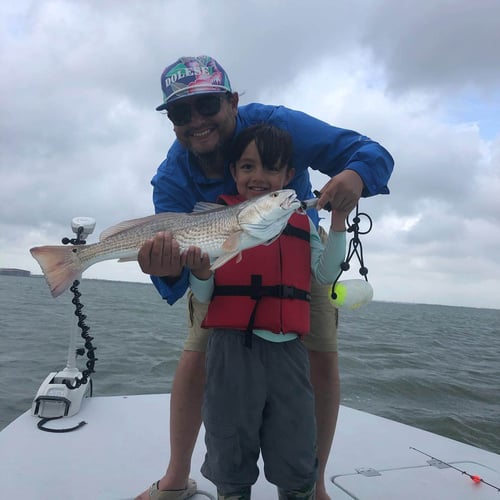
(270, 287)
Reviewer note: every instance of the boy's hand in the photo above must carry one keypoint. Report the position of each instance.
(338, 220)
(198, 263)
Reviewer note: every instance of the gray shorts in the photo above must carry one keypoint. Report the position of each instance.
(258, 399)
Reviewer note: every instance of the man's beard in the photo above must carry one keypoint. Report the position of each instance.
(210, 158)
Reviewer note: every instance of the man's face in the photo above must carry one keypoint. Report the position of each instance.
(205, 134)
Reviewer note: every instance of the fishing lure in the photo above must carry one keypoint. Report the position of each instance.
(474, 477)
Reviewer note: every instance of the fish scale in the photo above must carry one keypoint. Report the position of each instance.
(197, 229)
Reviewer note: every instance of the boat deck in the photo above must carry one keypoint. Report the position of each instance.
(125, 446)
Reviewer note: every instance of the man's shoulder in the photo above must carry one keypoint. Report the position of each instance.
(177, 158)
(174, 169)
(177, 150)
(256, 112)
(278, 115)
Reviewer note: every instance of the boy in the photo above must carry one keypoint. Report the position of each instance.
(258, 396)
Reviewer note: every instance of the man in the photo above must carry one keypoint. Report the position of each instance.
(199, 101)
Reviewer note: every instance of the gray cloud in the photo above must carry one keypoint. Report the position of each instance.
(79, 134)
(436, 44)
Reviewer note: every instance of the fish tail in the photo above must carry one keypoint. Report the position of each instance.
(60, 265)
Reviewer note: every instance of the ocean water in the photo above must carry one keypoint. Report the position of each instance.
(433, 367)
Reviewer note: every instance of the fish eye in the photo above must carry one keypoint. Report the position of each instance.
(274, 195)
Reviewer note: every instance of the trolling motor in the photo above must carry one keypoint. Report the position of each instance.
(61, 393)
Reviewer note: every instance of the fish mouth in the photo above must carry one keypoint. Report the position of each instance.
(291, 202)
(311, 203)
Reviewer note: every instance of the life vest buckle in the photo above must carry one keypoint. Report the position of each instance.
(287, 292)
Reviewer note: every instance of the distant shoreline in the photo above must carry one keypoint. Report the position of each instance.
(145, 283)
(11, 271)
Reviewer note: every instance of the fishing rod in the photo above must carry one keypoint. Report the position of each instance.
(355, 246)
(475, 478)
(352, 293)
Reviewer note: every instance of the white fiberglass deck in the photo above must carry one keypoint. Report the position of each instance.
(125, 446)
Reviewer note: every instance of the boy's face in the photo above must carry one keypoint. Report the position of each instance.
(253, 179)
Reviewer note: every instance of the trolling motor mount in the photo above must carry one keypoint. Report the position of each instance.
(62, 392)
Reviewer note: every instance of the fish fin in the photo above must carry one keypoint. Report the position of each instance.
(203, 206)
(127, 224)
(122, 226)
(232, 242)
(60, 265)
(128, 259)
(220, 261)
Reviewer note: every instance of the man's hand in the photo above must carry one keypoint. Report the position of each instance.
(160, 256)
(342, 191)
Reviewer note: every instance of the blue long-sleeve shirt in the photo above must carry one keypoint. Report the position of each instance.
(179, 183)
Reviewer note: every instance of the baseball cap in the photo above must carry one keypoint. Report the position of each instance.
(192, 75)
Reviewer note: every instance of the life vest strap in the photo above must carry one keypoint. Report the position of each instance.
(256, 291)
(291, 230)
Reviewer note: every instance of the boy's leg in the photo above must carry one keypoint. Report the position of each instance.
(235, 392)
(244, 494)
(288, 433)
(304, 494)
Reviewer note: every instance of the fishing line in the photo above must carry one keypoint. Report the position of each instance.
(355, 245)
(474, 477)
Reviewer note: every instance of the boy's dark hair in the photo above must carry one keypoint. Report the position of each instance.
(273, 144)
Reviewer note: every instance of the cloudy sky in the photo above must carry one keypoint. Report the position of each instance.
(80, 137)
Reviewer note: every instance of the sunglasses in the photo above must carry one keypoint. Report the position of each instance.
(207, 105)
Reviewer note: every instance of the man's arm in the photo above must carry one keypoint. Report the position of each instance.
(357, 165)
(159, 257)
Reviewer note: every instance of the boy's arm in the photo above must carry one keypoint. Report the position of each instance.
(326, 260)
(201, 279)
(202, 289)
